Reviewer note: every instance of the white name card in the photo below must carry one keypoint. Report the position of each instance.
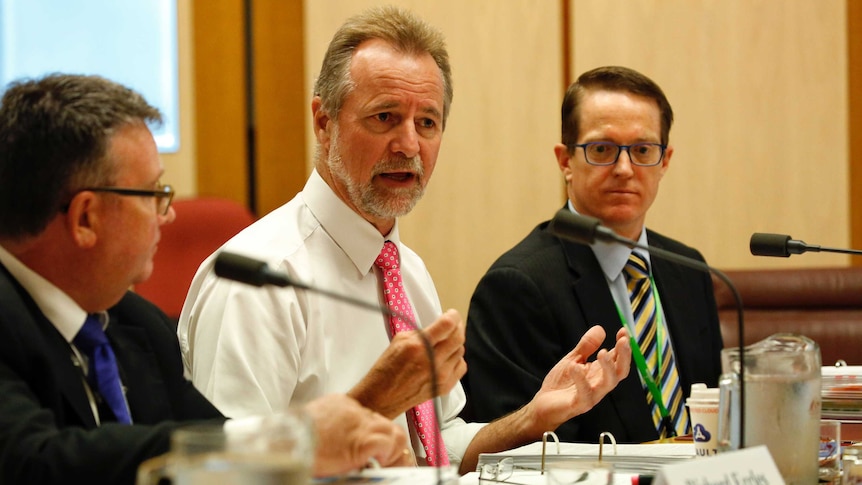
(749, 466)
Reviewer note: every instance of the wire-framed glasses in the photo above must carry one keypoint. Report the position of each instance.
(502, 471)
(497, 472)
(603, 153)
(164, 194)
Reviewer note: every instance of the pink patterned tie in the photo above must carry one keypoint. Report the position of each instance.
(424, 419)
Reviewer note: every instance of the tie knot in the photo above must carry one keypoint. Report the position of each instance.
(388, 257)
(91, 335)
(636, 267)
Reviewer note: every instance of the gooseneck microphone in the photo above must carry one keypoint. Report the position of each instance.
(782, 246)
(254, 272)
(587, 230)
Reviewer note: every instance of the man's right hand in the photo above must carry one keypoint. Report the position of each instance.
(348, 435)
(401, 377)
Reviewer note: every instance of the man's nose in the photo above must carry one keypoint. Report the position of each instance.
(406, 140)
(624, 163)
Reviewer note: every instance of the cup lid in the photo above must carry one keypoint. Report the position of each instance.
(699, 392)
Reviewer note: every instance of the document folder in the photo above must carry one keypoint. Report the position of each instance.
(633, 459)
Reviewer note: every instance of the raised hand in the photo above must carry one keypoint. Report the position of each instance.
(574, 386)
(401, 376)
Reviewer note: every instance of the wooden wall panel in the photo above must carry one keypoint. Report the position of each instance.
(496, 175)
(280, 107)
(759, 89)
(854, 126)
(219, 85)
(221, 100)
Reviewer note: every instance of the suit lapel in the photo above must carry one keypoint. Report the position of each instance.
(595, 299)
(590, 287)
(145, 390)
(45, 342)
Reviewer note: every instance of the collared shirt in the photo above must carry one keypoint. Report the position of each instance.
(612, 258)
(60, 309)
(259, 350)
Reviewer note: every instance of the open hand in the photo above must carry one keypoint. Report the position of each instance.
(574, 386)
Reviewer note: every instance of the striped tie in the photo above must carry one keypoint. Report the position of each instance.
(646, 332)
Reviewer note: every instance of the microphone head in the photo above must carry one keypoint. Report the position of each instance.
(574, 227)
(766, 244)
(241, 268)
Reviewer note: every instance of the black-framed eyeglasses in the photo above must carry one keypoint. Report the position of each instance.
(164, 194)
(603, 153)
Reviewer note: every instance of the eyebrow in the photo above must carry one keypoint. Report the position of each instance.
(390, 105)
(433, 112)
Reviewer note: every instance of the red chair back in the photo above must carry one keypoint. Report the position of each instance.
(202, 226)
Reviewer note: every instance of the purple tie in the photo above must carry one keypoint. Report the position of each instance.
(424, 418)
(102, 373)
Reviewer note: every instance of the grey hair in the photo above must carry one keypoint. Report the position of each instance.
(398, 27)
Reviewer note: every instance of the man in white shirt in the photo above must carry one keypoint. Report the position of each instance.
(379, 111)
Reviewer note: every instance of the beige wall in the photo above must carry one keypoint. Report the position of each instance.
(759, 88)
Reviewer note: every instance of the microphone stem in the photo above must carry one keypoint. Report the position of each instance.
(834, 250)
(700, 266)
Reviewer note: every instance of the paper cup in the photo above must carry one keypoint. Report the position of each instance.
(703, 410)
(830, 450)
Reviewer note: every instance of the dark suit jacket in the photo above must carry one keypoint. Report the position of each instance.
(537, 300)
(47, 430)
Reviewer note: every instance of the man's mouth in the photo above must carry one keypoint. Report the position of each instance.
(398, 176)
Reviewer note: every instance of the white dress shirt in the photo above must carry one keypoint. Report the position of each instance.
(259, 350)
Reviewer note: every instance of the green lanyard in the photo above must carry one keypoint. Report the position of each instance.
(640, 362)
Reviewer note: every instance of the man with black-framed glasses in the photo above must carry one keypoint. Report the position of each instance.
(543, 294)
(163, 195)
(91, 380)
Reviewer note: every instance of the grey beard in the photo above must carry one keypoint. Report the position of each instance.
(371, 200)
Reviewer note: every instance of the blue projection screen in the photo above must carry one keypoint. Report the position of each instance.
(133, 42)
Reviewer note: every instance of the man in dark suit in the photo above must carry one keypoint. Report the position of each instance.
(81, 204)
(540, 297)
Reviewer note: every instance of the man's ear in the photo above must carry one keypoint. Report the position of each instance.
(83, 218)
(322, 124)
(665, 162)
(564, 160)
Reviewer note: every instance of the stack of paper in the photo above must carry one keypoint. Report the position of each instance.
(842, 393)
(634, 459)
